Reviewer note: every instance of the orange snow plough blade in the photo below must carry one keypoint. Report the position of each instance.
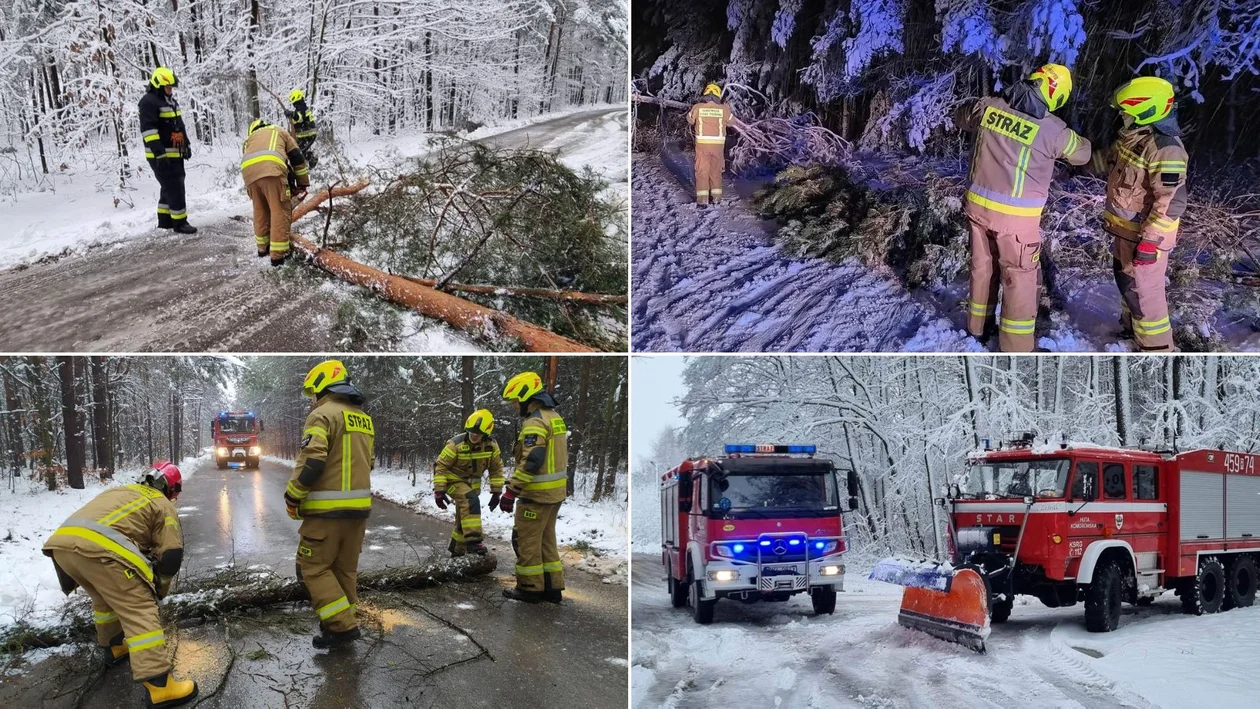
(959, 615)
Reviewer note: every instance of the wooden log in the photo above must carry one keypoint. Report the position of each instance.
(565, 295)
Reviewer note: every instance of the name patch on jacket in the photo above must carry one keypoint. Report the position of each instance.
(358, 423)
(1009, 125)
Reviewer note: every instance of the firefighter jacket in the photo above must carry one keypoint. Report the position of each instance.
(710, 119)
(133, 524)
(461, 460)
(541, 455)
(161, 122)
(271, 152)
(1012, 158)
(302, 122)
(1146, 187)
(332, 477)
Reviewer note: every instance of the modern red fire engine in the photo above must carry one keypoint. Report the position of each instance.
(1069, 523)
(235, 435)
(761, 523)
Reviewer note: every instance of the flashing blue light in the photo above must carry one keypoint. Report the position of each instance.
(819, 545)
(739, 548)
(765, 543)
(740, 448)
(794, 542)
(732, 448)
(803, 449)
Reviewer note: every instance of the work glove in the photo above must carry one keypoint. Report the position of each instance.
(299, 197)
(164, 586)
(494, 500)
(291, 506)
(178, 140)
(1147, 253)
(186, 151)
(508, 502)
(441, 499)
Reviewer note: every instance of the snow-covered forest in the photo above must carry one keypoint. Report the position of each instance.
(905, 424)
(73, 70)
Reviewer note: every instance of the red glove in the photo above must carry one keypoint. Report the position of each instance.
(1147, 252)
(508, 502)
(441, 499)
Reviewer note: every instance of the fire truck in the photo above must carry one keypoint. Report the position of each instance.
(1072, 523)
(235, 436)
(761, 523)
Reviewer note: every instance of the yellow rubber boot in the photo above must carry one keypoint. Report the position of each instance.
(118, 653)
(166, 691)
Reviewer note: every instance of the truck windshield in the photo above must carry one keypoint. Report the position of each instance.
(236, 424)
(773, 495)
(1006, 479)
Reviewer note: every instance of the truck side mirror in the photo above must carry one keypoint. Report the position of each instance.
(1088, 494)
(852, 483)
(684, 492)
(260, 427)
(955, 491)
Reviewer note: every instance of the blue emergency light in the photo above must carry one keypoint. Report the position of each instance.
(819, 545)
(765, 542)
(794, 542)
(732, 448)
(739, 548)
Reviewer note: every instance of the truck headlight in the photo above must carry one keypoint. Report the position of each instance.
(723, 575)
(832, 570)
(255, 450)
(223, 451)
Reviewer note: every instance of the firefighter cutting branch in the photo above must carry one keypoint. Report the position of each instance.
(709, 119)
(166, 147)
(1016, 142)
(464, 460)
(123, 549)
(272, 167)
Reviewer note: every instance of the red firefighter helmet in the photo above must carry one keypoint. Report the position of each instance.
(166, 477)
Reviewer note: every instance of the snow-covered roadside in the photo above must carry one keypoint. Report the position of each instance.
(29, 590)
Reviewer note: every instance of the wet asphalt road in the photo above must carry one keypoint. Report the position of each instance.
(208, 292)
(458, 645)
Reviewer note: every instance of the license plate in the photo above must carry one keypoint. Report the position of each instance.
(778, 571)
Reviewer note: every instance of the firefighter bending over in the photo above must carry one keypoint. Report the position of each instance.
(331, 492)
(457, 478)
(539, 480)
(166, 147)
(124, 549)
(709, 120)
(271, 165)
(1146, 196)
(302, 125)
(1016, 141)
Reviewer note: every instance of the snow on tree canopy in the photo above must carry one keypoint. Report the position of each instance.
(879, 26)
(785, 22)
(967, 27)
(1057, 30)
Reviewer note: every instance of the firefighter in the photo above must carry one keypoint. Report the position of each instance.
(272, 165)
(166, 147)
(539, 480)
(1146, 196)
(457, 478)
(124, 549)
(709, 119)
(302, 125)
(1017, 139)
(330, 491)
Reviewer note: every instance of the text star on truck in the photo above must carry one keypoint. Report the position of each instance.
(761, 523)
(1101, 526)
(235, 435)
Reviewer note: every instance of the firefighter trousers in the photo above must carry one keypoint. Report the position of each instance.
(172, 210)
(710, 163)
(1011, 261)
(534, 541)
(123, 603)
(1143, 301)
(273, 213)
(467, 516)
(328, 563)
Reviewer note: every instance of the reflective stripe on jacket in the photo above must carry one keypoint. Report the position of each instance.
(709, 120)
(541, 458)
(332, 476)
(1146, 186)
(270, 152)
(160, 117)
(461, 460)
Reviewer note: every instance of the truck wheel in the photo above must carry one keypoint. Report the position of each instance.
(1102, 599)
(1000, 611)
(1145, 600)
(1206, 592)
(222, 464)
(701, 610)
(1240, 591)
(824, 600)
(677, 592)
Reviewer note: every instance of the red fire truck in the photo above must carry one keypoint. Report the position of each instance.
(1069, 523)
(235, 435)
(761, 523)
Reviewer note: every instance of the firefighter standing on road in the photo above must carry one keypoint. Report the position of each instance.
(709, 119)
(331, 492)
(166, 147)
(1146, 196)
(269, 159)
(124, 548)
(457, 478)
(539, 480)
(302, 125)
(1016, 142)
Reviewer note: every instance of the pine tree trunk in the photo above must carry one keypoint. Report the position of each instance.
(466, 385)
(579, 430)
(102, 440)
(73, 422)
(1122, 399)
(14, 421)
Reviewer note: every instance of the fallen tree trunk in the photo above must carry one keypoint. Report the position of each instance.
(564, 295)
(235, 590)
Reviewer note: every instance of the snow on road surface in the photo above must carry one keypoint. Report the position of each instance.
(780, 654)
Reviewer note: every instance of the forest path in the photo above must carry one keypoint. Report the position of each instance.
(543, 655)
(207, 292)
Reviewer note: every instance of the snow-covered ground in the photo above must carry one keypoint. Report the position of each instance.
(780, 654)
(29, 589)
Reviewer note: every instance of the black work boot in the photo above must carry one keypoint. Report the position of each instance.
(516, 594)
(278, 264)
(328, 638)
(553, 595)
(479, 549)
(165, 223)
(185, 228)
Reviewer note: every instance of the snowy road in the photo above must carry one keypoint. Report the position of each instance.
(571, 655)
(781, 655)
(209, 292)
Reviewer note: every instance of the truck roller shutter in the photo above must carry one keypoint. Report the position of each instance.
(1242, 506)
(1202, 514)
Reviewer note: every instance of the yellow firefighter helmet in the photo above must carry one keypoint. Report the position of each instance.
(712, 90)
(1149, 99)
(522, 387)
(481, 421)
(1054, 83)
(162, 76)
(260, 123)
(323, 375)
(296, 95)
